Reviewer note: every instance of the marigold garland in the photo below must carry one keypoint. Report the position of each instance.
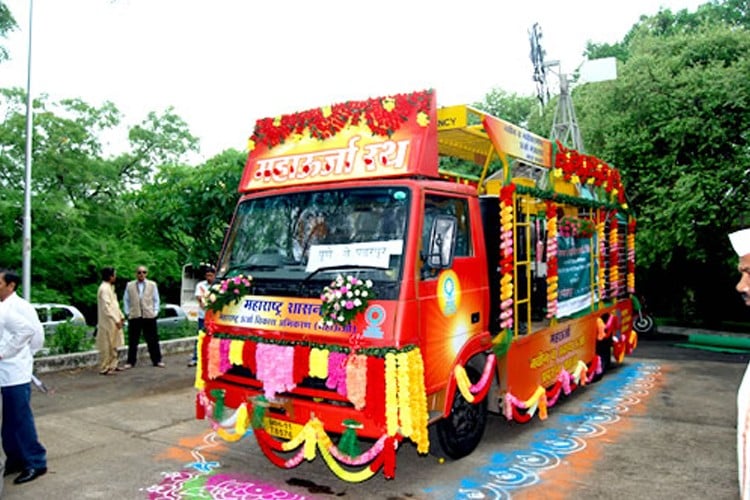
(552, 277)
(601, 268)
(631, 256)
(542, 399)
(382, 116)
(507, 206)
(614, 272)
(576, 167)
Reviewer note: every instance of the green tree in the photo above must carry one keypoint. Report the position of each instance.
(189, 208)
(675, 122)
(7, 24)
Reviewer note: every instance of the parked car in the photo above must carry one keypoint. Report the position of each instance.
(171, 315)
(51, 315)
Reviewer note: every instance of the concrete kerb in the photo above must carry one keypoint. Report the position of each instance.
(61, 362)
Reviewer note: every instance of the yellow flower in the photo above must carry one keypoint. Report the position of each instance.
(277, 121)
(389, 104)
(326, 111)
(250, 145)
(423, 119)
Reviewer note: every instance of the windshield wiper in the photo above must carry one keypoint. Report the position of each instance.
(250, 267)
(328, 269)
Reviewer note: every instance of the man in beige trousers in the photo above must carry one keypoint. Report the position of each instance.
(110, 321)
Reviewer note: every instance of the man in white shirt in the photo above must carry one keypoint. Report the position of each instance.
(201, 292)
(21, 334)
(741, 243)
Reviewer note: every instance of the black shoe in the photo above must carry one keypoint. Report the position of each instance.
(11, 470)
(30, 475)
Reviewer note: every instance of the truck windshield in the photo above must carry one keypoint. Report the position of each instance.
(290, 243)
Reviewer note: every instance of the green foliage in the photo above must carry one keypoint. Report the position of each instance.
(675, 122)
(69, 338)
(182, 330)
(7, 24)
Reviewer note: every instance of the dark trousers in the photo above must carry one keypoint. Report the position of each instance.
(20, 441)
(148, 327)
(201, 323)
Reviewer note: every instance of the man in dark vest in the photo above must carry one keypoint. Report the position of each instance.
(141, 303)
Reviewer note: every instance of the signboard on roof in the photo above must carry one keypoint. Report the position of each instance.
(375, 138)
(518, 142)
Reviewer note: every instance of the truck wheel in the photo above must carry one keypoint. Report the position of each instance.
(460, 432)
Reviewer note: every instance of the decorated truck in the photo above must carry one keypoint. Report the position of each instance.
(367, 299)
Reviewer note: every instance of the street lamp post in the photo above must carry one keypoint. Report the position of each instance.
(27, 181)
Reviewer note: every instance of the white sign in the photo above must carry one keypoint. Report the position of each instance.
(368, 253)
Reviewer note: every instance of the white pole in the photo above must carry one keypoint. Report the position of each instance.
(27, 184)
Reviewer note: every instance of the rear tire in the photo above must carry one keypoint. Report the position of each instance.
(460, 432)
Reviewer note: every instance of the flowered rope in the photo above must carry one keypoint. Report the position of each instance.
(507, 206)
(469, 391)
(406, 405)
(624, 344)
(601, 269)
(552, 277)
(406, 397)
(614, 272)
(542, 399)
(631, 256)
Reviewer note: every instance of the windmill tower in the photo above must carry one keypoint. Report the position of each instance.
(564, 124)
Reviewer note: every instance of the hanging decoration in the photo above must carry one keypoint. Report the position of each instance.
(383, 116)
(507, 205)
(542, 399)
(406, 413)
(476, 391)
(601, 277)
(614, 255)
(631, 256)
(552, 276)
(585, 169)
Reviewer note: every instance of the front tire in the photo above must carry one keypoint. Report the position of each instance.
(460, 432)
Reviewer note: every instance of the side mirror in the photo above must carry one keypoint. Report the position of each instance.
(442, 242)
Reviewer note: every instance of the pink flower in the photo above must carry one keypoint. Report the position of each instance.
(349, 304)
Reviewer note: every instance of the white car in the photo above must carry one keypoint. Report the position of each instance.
(51, 315)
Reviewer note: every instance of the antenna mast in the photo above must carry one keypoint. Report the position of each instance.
(564, 124)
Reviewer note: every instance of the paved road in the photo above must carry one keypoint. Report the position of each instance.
(661, 426)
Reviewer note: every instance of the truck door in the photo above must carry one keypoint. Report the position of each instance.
(452, 302)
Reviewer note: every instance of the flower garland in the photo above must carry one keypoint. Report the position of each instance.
(406, 397)
(552, 276)
(476, 391)
(406, 412)
(631, 256)
(601, 269)
(542, 399)
(576, 167)
(614, 272)
(228, 291)
(507, 205)
(343, 299)
(312, 435)
(383, 116)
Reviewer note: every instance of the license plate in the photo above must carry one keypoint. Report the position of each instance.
(281, 428)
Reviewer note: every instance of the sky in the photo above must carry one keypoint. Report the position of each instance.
(225, 63)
